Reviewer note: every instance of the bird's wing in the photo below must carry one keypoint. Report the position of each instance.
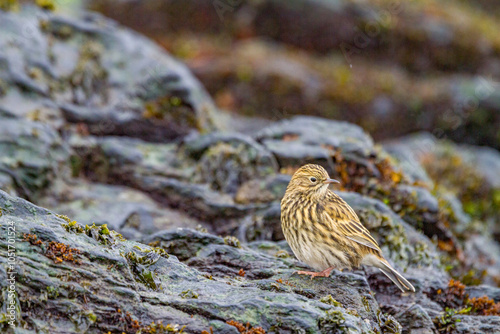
(345, 221)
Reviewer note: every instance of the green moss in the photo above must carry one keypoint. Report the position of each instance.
(160, 328)
(332, 321)
(104, 229)
(151, 256)
(452, 173)
(171, 108)
(100, 233)
(329, 300)
(232, 241)
(282, 254)
(103, 234)
(388, 324)
(140, 262)
(8, 5)
(74, 227)
(148, 278)
(89, 77)
(189, 294)
(470, 277)
(143, 275)
(422, 255)
(353, 312)
(46, 4)
(91, 316)
(388, 233)
(366, 303)
(52, 292)
(446, 322)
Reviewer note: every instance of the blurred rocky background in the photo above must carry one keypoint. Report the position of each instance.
(156, 150)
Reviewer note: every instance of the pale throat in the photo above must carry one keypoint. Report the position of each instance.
(319, 193)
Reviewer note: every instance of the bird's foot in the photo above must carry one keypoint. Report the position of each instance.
(324, 273)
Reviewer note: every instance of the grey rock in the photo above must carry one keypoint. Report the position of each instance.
(263, 189)
(122, 159)
(197, 199)
(110, 278)
(110, 78)
(407, 160)
(484, 290)
(473, 325)
(7, 182)
(128, 211)
(484, 255)
(416, 321)
(426, 216)
(487, 162)
(311, 138)
(172, 176)
(32, 154)
(228, 160)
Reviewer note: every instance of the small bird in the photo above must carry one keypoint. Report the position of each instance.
(325, 232)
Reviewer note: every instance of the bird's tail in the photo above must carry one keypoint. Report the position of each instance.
(394, 276)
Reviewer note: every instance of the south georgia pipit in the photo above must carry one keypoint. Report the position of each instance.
(324, 232)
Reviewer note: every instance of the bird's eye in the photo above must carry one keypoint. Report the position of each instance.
(313, 179)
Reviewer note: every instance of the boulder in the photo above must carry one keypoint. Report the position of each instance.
(95, 281)
(90, 71)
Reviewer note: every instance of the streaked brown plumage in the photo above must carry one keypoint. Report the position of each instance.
(325, 232)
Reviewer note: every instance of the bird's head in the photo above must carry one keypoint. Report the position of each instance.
(312, 179)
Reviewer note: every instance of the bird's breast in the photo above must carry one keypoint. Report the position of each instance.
(309, 239)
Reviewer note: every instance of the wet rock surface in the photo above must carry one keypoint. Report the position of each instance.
(108, 79)
(391, 67)
(109, 283)
(197, 207)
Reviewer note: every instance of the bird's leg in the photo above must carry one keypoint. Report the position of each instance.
(324, 273)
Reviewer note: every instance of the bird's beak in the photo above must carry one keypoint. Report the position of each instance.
(329, 181)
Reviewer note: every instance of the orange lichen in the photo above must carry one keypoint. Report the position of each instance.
(130, 322)
(455, 297)
(446, 246)
(206, 332)
(456, 288)
(246, 329)
(241, 272)
(484, 306)
(32, 239)
(56, 251)
(290, 137)
(159, 327)
(387, 171)
(285, 282)
(60, 252)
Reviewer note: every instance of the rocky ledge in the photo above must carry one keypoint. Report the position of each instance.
(174, 219)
